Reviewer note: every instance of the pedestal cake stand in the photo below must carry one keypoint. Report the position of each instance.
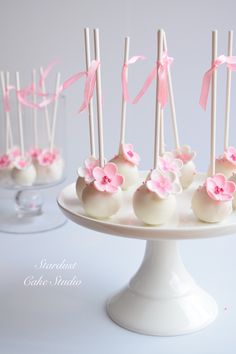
(162, 298)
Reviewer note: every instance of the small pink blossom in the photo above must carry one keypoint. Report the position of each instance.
(5, 162)
(107, 179)
(129, 154)
(46, 157)
(219, 188)
(230, 155)
(14, 153)
(35, 152)
(22, 162)
(168, 163)
(185, 154)
(163, 184)
(87, 171)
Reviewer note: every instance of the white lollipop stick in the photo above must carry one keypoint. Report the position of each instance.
(22, 147)
(54, 116)
(158, 106)
(213, 105)
(99, 99)
(35, 111)
(91, 118)
(6, 121)
(228, 91)
(172, 100)
(124, 104)
(162, 134)
(46, 111)
(8, 114)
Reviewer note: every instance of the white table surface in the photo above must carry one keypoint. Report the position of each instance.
(73, 320)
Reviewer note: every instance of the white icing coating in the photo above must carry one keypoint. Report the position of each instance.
(100, 205)
(128, 170)
(209, 210)
(188, 171)
(151, 209)
(50, 173)
(24, 177)
(226, 167)
(79, 187)
(233, 178)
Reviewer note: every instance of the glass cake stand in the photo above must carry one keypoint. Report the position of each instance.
(162, 298)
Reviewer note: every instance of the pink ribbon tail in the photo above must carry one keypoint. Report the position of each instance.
(163, 66)
(124, 81)
(206, 81)
(89, 84)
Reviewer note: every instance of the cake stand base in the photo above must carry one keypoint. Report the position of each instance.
(162, 298)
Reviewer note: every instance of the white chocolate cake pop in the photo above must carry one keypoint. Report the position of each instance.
(23, 172)
(212, 202)
(154, 202)
(226, 164)
(102, 198)
(188, 170)
(85, 175)
(127, 162)
(49, 167)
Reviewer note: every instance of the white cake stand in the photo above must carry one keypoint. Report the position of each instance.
(162, 298)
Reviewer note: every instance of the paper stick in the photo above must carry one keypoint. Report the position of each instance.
(10, 133)
(3, 84)
(55, 108)
(124, 104)
(162, 134)
(228, 91)
(90, 107)
(158, 106)
(213, 105)
(172, 100)
(22, 147)
(35, 123)
(47, 120)
(99, 99)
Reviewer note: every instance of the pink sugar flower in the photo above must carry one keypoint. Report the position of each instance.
(107, 179)
(87, 171)
(129, 154)
(22, 162)
(5, 162)
(14, 153)
(219, 188)
(163, 184)
(35, 152)
(168, 163)
(46, 157)
(185, 154)
(230, 155)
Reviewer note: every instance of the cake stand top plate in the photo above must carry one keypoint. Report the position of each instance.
(182, 225)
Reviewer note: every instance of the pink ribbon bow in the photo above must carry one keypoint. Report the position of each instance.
(161, 68)
(124, 76)
(90, 82)
(206, 81)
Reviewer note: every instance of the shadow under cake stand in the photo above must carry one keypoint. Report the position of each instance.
(162, 298)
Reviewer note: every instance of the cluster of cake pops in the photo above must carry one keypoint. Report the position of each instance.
(38, 164)
(100, 185)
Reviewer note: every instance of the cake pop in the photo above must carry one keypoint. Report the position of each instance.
(233, 179)
(212, 202)
(188, 170)
(23, 172)
(102, 198)
(85, 175)
(127, 160)
(49, 166)
(154, 202)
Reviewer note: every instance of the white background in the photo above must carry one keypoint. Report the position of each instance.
(33, 33)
